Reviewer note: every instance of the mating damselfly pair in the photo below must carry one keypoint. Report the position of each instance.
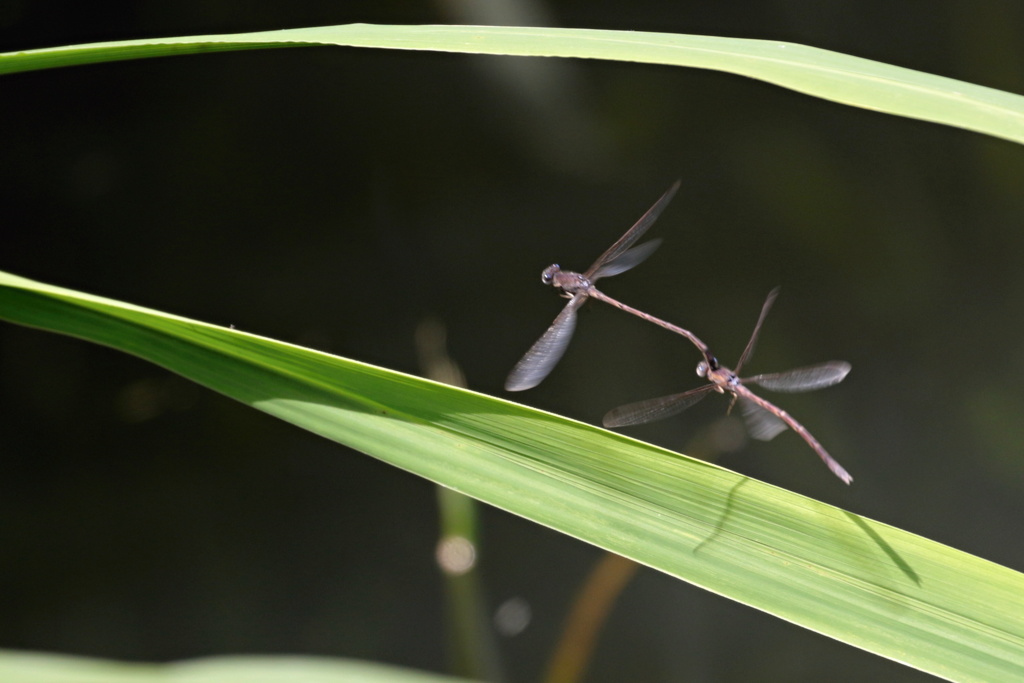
(764, 419)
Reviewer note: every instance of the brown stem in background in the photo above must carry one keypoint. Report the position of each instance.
(588, 614)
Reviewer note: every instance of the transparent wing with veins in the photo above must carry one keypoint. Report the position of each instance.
(630, 237)
(545, 353)
(749, 351)
(628, 259)
(761, 424)
(654, 409)
(803, 379)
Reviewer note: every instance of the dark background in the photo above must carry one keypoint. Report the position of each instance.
(337, 197)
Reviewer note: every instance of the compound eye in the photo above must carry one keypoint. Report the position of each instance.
(702, 369)
(548, 276)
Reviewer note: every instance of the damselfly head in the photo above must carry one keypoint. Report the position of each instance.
(706, 366)
(548, 276)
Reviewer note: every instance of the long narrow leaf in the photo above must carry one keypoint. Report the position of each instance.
(31, 667)
(821, 73)
(856, 580)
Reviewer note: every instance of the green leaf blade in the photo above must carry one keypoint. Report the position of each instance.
(820, 73)
(31, 667)
(853, 579)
